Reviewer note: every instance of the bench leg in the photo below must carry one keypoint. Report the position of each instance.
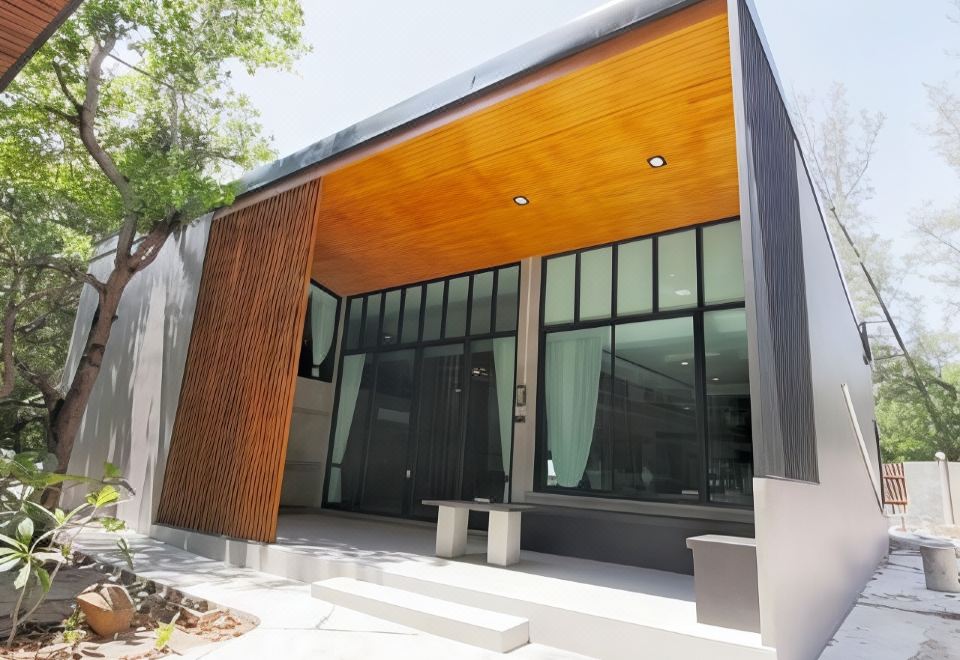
(503, 538)
(451, 531)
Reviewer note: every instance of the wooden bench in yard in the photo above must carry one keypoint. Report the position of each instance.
(503, 530)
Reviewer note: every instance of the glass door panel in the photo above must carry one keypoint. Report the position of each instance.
(439, 427)
(384, 485)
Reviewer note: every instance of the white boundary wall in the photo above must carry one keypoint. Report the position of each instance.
(818, 544)
(131, 411)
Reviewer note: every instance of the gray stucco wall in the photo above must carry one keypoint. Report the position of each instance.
(134, 402)
(819, 543)
(924, 495)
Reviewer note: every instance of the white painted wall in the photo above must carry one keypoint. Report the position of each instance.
(818, 544)
(130, 416)
(306, 461)
(924, 496)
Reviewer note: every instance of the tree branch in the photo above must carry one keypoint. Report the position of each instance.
(9, 329)
(51, 395)
(65, 88)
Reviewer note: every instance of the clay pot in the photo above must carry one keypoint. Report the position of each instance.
(107, 607)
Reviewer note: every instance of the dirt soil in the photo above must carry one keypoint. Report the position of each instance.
(58, 632)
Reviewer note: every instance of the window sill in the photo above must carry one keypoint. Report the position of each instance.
(697, 511)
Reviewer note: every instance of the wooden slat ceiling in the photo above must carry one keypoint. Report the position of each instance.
(576, 146)
(24, 26)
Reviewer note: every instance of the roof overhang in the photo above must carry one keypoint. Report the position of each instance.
(426, 188)
(25, 25)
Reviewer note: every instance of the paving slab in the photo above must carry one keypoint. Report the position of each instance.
(897, 618)
(291, 621)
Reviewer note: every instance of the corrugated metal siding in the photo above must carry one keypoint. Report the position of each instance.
(787, 446)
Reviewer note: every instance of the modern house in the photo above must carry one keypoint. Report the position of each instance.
(590, 275)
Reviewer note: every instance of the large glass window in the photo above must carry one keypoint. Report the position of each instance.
(425, 400)
(649, 400)
(318, 351)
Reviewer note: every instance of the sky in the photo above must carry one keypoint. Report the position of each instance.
(370, 54)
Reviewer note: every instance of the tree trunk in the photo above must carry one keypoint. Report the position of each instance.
(66, 417)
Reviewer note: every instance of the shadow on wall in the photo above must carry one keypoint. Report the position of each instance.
(131, 412)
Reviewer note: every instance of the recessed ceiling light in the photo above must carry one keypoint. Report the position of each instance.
(683, 292)
(715, 378)
(520, 200)
(657, 161)
(684, 363)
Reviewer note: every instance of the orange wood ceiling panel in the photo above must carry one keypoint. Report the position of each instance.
(22, 22)
(577, 147)
(225, 465)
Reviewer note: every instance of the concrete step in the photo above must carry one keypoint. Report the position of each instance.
(470, 625)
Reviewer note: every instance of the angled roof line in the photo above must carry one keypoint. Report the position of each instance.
(35, 45)
(582, 33)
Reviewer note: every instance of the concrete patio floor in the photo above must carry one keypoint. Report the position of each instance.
(897, 618)
(292, 622)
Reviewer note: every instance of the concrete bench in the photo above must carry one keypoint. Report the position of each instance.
(503, 530)
(725, 581)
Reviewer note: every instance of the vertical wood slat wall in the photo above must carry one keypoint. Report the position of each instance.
(225, 465)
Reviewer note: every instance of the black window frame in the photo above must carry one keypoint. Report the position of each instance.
(418, 345)
(695, 311)
(328, 366)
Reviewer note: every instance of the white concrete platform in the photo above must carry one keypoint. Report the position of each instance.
(470, 625)
(580, 606)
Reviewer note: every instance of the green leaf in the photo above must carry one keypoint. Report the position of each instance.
(44, 578)
(103, 497)
(49, 556)
(41, 511)
(7, 564)
(111, 471)
(22, 577)
(13, 543)
(25, 531)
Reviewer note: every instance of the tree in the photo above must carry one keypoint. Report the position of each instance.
(841, 150)
(129, 124)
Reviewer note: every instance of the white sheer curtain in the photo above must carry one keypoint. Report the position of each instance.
(504, 364)
(349, 389)
(323, 325)
(572, 374)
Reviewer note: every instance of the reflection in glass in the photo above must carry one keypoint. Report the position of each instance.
(677, 270)
(385, 479)
(657, 453)
(411, 315)
(728, 407)
(635, 278)
(558, 305)
(596, 283)
(371, 324)
(391, 318)
(722, 263)
(354, 321)
(350, 432)
(433, 312)
(508, 298)
(482, 306)
(441, 391)
(457, 291)
(489, 425)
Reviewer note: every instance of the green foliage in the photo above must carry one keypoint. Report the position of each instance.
(152, 136)
(165, 632)
(33, 537)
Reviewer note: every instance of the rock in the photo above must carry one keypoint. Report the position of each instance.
(107, 607)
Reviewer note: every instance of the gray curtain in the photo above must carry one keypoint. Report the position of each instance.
(504, 364)
(323, 325)
(349, 389)
(572, 374)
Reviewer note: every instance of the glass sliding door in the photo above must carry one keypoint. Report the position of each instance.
(439, 426)
(426, 395)
(385, 475)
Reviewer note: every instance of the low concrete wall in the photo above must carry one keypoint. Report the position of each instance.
(131, 411)
(924, 498)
